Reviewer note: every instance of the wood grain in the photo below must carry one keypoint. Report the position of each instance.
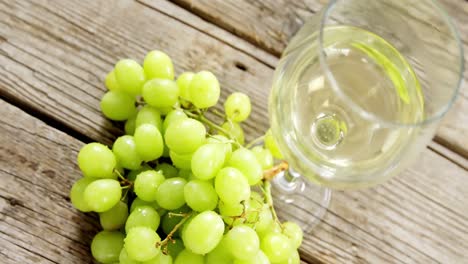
(271, 24)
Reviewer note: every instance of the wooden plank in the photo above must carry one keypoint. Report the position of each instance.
(37, 169)
(270, 24)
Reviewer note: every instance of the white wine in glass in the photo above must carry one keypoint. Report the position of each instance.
(359, 92)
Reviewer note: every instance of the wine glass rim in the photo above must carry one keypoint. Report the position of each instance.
(370, 116)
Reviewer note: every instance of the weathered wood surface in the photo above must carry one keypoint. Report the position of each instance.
(52, 62)
(269, 24)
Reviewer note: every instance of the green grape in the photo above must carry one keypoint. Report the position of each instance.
(229, 211)
(276, 247)
(242, 242)
(183, 81)
(294, 258)
(130, 76)
(220, 255)
(101, 195)
(111, 81)
(159, 259)
(125, 151)
(294, 232)
(200, 195)
(149, 115)
(234, 131)
(158, 64)
(117, 105)
(77, 194)
(140, 243)
(125, 259)
(166, 110)
(204, 89)
(106, 246)
(185, 135)
(130, 125)
(270, 143)
(170, 194)
(147, 184)
(264, 157)
(265, 220)
(149, 142)
(260, 258)
(114, 218)
(175, 247)
(224, 141)
(244, 160)
(188, 257)
(203, 233)
(166, 152)
(181, 161)
(167, 170)
(131, 176)
(160, 93)
(169, 221)
(138, 202)
(237, 107)
(186, 174)
(96, 161)
(172, 116)
(231, 186)
(143, 216)
(208, 160)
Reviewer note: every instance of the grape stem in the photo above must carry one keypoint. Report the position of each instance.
(176, 227)
(200, 117)
(125, 182)
(254, 142)
(219, 114)
(269, 174)
(269, 199)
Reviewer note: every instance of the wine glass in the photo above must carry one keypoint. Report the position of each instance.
(358, 92)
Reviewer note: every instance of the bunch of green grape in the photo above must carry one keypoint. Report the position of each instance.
(177, 187)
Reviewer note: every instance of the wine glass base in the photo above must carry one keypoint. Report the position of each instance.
(297, 198)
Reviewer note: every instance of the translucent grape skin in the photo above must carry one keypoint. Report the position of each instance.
(271, 144)
(183, 81)
(235, 130)
(114, 218)
(170, 194)
(160, 93)
(208, 160)
(231, 186)
(77, 194)
(245, 160)
(138, 202)
(117, 105)
(224, 141)
(103, 194)
(130, 76)
(130, 125)
(187, 257)
(167, 170)
(149, 115)
(131, 175)
(277, 247)
(220, 255)
(111, 82)
(200, 195)
(185, 135)
(147, 184)
(124, 149)
(168, 221)
(96, 161)
(106, 246)
(172, 116)
(125, 259)
(140, 243)
(159, 259)
(204, 89)
(175, 247)
(294, 232)
(237, 107)
(203, 233)
(181, 161)
(243, 242)
(158, 64)
(264, 157)
(265, 220)
(294, 258)
(260, 258)
(143, 216)
(149, 142)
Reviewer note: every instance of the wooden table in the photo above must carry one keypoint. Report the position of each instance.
(54, 55)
